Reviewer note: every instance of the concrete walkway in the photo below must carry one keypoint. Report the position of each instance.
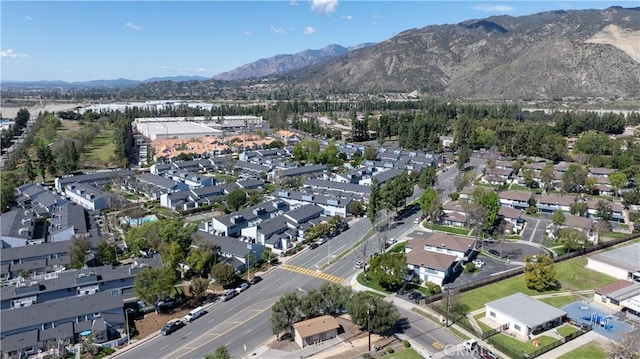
(569, 346)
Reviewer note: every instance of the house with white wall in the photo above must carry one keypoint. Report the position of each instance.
(524, 316)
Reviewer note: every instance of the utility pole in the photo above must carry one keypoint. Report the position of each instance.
(447, 315)
(369, 327)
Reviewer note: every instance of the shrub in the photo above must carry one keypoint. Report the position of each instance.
(406, 344)
(470, 268)
(389, 350)
(366, 356)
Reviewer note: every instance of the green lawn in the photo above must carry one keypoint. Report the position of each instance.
(559, 302)
(373, 284)
(101, 148)
(614, 235)
(458, 333)
(572, 275)
(566, 330)
(404, 353)
(591, 350)
(453, 230)
(376, 294)
(483, 326)
(518, 346)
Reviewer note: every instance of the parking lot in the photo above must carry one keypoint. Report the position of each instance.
(491, 267)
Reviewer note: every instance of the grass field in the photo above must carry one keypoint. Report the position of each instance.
(559, 301)
(592, 350)
(101, 148)
(572, 275)
(453, 230)
(567, 330)
(519, 346)
(405, 353)
(373, 284)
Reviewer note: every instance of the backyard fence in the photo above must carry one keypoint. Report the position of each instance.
(517, 353)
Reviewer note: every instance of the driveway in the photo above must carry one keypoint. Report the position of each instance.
(491, 267)
(514, 251)
(534, 229)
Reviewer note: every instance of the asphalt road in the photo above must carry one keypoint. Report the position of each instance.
(242, 324)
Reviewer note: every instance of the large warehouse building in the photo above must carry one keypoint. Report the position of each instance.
(173, 127)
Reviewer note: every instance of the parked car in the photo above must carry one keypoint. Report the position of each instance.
(192, 315)
(172, 326)
(255, 279)
(479, 263)
(242, 287)
(419, 298)
(494, 252)
(391, 241)
(313, 245)
(359, 264)
(414, 294)
(228, 295)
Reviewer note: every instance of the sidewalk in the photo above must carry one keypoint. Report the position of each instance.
(574, 344)
(401, 303)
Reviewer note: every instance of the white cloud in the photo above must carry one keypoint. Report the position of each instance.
(162, 67)
(28, 17)
(309, 30)
(132, 26)
(347, 17)
(12, 54)
(494, 8)
(247, 33)
(375, 18)
(277, 30)
(324, 6)
(293, 3)
(201, 70)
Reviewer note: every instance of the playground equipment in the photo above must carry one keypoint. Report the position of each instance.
(600, 320)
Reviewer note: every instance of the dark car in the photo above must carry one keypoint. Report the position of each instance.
(494, 252)
(171, 327)
(255, 280)
(313, 245)
(419, 298)
(414, 295)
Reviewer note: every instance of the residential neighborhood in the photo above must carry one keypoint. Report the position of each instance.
(418, 228)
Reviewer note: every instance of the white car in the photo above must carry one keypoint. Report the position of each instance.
(479, 263)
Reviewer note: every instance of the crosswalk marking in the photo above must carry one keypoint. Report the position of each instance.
(312, 273)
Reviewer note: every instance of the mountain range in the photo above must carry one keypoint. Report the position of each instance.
(117, 83)
(548, 55)
(578, 53)
(284, 63)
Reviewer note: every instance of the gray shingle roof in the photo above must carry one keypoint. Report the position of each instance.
(526, 310)
(99, 178)
(156, 180)
(51, 311)
(344, 187)
(304, 212)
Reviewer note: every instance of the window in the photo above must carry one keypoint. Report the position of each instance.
(115, 293)
(492, 314)
(516, 327)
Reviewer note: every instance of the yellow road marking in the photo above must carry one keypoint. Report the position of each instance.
(438, 345)
(312, 273)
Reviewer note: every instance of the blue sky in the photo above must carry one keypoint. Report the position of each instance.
(89, 40)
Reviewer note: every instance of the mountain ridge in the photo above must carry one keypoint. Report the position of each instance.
(283, 63)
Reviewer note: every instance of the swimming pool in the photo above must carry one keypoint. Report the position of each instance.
(134, 222)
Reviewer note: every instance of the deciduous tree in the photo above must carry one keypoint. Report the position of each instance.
(224, 274)
(284, 313)
(80, 245)
(540, 275)
(372, 312)
(153, 284)
(389, 269)
(198, 287)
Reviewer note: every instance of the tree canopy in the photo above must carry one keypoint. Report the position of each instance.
(540, 274)
(153, 284)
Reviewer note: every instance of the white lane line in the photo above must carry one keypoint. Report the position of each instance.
(164, 347)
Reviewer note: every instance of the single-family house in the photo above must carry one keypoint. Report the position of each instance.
(509, 312)
(315, 330)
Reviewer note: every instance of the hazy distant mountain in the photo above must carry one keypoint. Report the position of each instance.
(281, 64)
(581, 53)
(105, 84)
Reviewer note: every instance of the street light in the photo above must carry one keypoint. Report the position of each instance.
(369, 328)
(126, 318)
